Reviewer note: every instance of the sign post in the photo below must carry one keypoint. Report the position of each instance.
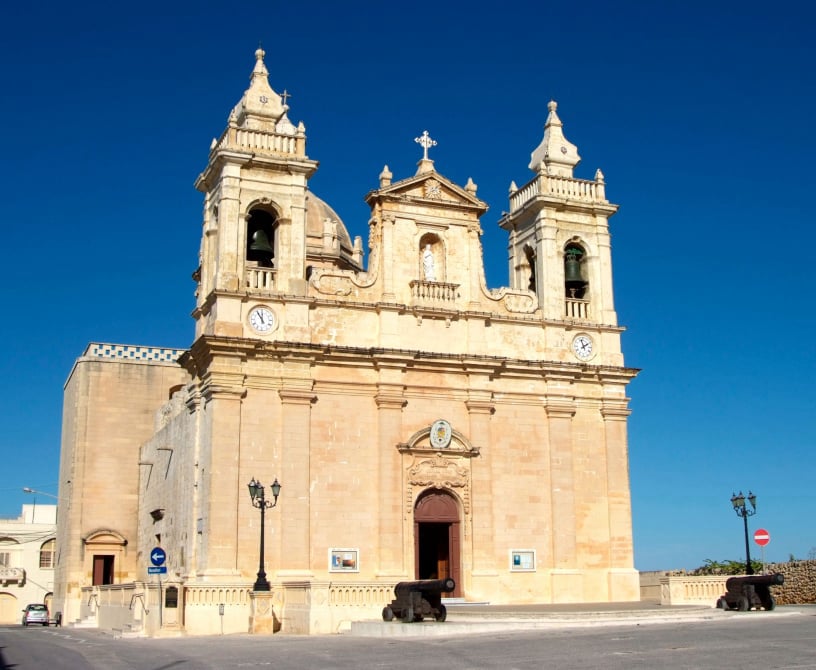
(157, 558)
(762, 537)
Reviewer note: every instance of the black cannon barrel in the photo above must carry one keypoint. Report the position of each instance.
(426, 586)
(755, 580)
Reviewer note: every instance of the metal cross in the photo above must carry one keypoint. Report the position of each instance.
(426, 142)
(285, 96)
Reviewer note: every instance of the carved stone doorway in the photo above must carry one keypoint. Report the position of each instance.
(437, 538)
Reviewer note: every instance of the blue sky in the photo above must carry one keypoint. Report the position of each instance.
(699, 114)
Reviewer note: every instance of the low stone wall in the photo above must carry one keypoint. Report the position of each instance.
(678, 588)
(800, 582)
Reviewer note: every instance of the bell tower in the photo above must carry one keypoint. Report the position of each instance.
(559, 237)
(255, 200)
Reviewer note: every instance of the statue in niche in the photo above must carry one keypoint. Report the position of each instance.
(428, 264)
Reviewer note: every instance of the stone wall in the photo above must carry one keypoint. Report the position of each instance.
(679, 588)
(800, 582)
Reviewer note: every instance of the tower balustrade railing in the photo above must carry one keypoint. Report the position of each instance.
(259, 141)
(260, 279)
(553, 185)
(576, 309)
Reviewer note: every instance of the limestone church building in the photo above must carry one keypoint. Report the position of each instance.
(419, 423)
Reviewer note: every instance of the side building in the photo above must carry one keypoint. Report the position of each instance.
(27, 556)
(420, 424)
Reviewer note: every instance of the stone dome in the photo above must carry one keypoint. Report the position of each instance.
(317, 211)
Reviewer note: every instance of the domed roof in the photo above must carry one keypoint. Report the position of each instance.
(317, 211)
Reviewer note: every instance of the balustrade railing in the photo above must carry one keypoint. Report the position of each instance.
(566, 187)
(260, 279)
(259, 141)
(433, 292)
(576, 309)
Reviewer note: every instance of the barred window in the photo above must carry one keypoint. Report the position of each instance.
(47, 554)
(5, 559)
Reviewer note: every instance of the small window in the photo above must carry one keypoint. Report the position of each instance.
(47, 554)
(5, 559)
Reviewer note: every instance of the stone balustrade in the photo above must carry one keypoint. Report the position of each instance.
(582, 190)
(433, 292)
(576, 309)
(259, 142)
(260, 280)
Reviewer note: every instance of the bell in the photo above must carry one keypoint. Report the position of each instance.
(572, 271)
(260, 242)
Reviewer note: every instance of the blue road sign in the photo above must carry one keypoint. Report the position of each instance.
(160, 570)
(157, 556)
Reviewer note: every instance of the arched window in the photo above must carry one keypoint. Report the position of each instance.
(260, 240)
(529, 254)
(575, 285)
(47, 554)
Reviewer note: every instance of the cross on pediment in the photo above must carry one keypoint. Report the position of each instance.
(426, 142)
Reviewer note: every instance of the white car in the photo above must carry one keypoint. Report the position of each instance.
(35, 613)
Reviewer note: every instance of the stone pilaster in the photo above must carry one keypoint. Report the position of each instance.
(480, 407)
(295, 475)
(560, 411)
(390, 402)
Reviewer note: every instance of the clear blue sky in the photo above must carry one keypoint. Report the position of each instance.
(699, 114)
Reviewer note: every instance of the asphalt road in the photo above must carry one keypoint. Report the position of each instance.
(751, 641)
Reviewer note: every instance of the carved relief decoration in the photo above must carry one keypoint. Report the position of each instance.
(440, 473)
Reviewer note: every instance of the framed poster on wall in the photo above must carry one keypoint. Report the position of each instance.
(344, 560)
(522, 560)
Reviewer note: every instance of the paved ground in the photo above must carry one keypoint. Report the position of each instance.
(468, 619)
(781, 640)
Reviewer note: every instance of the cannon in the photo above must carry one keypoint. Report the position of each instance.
(416, 600)
(745, 593)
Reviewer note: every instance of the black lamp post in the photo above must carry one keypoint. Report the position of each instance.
(256, 492)
(738, 501)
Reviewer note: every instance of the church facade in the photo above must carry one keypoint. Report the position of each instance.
(419, 424)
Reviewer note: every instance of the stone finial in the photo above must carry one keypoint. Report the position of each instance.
(260, 104)
(555, 154)
(385, 177)
(513, 187)
(470, 187)
(599, 176)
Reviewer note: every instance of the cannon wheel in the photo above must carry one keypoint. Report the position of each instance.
(769, 604)
(743, 604)
(408, 614)
(441, 614)
(388, 613)
(722, 604)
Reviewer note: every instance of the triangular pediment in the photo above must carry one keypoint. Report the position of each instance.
(431, 189)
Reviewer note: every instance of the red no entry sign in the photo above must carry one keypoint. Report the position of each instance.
(762, 537)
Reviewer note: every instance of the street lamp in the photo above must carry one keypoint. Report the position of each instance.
(42, 493)
(256, 493)
(738, 501)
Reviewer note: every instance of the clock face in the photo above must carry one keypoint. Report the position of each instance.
(262, 319)
(582, 347)
(440, 434)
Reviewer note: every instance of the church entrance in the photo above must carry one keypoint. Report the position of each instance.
(437, 538)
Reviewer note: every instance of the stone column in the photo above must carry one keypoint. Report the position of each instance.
(624, 583)
(390, 401)
(480, 407)
(223, 491)
(295, 478)
(566, 580)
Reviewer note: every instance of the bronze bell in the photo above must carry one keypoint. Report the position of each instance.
(572, 270)
(260, 242)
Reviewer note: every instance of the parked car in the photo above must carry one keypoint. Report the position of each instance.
(35, 613)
